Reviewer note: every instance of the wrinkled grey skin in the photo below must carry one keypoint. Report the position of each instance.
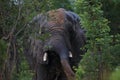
(58, 43)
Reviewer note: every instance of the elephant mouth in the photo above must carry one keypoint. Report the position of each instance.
(58, 65)
(45, 56)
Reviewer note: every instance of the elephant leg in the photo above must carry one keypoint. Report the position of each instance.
(67, 69)
(41, 72)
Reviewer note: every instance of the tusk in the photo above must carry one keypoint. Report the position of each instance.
(45, 57)
(70, 54)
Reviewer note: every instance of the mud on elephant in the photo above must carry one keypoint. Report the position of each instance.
(52, 45)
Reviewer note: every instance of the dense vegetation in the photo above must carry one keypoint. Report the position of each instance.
(100, 19)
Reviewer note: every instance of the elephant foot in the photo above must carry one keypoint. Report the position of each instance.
(67, 69)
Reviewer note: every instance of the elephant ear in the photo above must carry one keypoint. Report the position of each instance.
(77, 38)
(72, 17)
(34, 41)
(78, 31)
(36, 50)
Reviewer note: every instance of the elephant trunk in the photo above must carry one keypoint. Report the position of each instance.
(57, 44)
(67, 69)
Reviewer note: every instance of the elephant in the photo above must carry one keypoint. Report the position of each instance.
(53, 44)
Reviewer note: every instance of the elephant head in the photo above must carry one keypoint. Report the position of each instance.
(56, 43)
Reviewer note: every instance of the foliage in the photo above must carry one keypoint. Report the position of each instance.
(24, 72)
(14, 16)
(103, 49)
(115, 75)
(3, 54)
(80, 72)
(34, 7)
(115, 52)
(97, 32)
(112, 12)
